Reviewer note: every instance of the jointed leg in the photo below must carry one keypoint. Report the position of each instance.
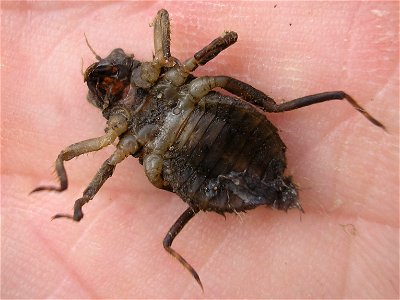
(101, 176)
(173, 232)
(117, 124)
(162, 39)
(179, 73)
(125, 147)
(67, 154)
(322, 97)
(211, 50)
(202, 85)
(148, 72)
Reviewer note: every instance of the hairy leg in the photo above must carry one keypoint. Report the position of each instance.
(171, 235)
(116, 125)
(148, 72)
(180, 72)
(162, 39)
(126, 146)
(203, 85)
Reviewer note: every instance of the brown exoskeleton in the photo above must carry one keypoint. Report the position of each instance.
(218, 153)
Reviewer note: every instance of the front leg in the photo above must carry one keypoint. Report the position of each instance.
(126, 146)
(116, 125)
(162, 39)
(148, 72)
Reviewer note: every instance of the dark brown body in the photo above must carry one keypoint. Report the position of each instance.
(224, 136)
(218, 153)
(225, 157)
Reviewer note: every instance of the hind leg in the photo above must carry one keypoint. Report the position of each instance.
(171, 235)
(203, 85)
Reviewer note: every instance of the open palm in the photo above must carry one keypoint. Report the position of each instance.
(346, 245)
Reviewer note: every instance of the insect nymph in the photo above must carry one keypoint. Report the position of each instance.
(218, 153)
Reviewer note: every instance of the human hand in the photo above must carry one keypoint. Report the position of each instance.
(346, 167)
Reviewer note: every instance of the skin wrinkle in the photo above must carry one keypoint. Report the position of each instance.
(64, 263)
(372, 260)
(342, 145)
(392, 78)
(205, 264)
(369, 183)
(340, 126)
(326, 137)
(59, 288)
(93, 221)
(233, 58)
(349, 37)
(338, 159)
(346, 267)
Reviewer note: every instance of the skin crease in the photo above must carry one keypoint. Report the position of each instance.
(347, 169)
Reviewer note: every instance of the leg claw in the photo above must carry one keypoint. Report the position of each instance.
(77, 216)
(47, 188)
(58, 216)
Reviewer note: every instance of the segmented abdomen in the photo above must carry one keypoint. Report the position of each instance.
(221, 136)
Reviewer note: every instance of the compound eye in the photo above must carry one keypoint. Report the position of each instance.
(89, 71)
(109, 79)
(106, 70)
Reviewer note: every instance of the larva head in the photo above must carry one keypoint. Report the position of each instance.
(108, 79)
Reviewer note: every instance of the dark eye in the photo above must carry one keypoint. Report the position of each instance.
(109, 79)
(105, 70)
(89, 71)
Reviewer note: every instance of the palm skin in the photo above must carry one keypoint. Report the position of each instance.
(346, 245)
